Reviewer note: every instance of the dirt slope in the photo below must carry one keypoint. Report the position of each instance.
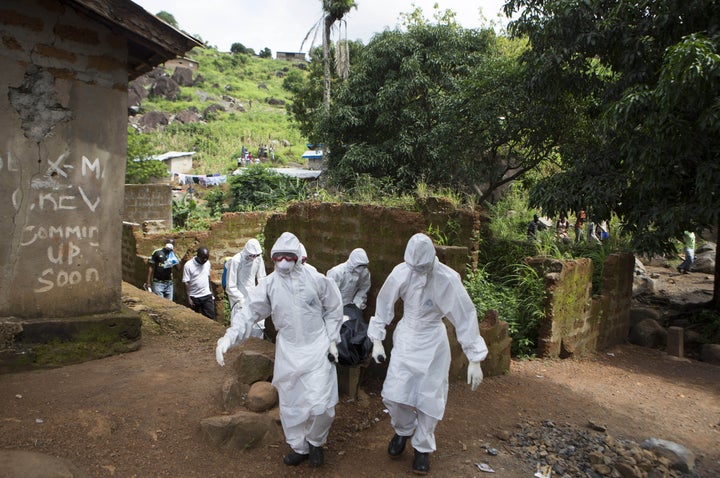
(138, 414)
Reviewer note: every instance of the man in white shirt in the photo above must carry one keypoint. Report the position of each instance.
(196, 277)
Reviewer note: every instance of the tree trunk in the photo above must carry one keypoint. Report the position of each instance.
(326, 61)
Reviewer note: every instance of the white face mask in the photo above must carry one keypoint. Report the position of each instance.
(284, 266)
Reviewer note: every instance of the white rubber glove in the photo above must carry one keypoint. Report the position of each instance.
(475, 375)
(333, 352)
(359, 303)
(378, 351)
(223, 345)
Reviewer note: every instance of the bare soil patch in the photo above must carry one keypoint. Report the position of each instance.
(138, 414)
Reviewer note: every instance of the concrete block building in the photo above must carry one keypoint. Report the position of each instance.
(63, 136)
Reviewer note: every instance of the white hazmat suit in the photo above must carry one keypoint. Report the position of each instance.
(416, 386)
(245, 270)
(306, 310)
(353, 278)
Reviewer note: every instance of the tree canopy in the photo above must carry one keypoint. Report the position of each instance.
(167, 18)
(640, 83)
(438, 104)
(139, 168)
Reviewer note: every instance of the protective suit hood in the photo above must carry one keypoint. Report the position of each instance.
(420, 253)
(358, 257)
(288, 242)
(252, 248)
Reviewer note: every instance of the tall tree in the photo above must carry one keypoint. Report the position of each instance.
(306, 107)
(333, 13)
(641, 79)
(438, 104)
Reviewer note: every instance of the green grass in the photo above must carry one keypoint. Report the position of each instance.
(251, 82)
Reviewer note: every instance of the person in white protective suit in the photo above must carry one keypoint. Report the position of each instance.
(416, 386)
(353, 278)
(306, 309)
(245, 270)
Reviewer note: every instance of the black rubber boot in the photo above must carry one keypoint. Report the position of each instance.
(294, 459)
(316, 456)
(421, 463)
(396, 445)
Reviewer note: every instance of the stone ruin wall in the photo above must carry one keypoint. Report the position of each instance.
(577, 323)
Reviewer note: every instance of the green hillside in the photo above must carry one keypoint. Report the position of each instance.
(252, 82)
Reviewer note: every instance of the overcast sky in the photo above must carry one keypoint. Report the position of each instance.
(281, 25)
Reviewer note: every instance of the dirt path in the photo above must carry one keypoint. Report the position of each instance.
(138, 414)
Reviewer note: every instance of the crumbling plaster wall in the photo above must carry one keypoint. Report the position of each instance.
(63, 115)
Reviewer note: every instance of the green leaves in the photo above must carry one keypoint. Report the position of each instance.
(638, 85)
(139, 169)
(259, 188)
(424, 105)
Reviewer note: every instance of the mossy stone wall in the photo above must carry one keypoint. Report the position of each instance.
(576, 323)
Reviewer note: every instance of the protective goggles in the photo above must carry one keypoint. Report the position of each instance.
(284, 256)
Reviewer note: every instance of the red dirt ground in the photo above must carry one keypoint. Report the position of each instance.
(138, 414)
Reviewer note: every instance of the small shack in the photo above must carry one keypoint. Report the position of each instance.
(314, 158)
(63, 125)
(290, 56)
(177, 161)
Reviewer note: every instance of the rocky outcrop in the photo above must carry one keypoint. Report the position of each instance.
(153, 120)
(165, 87)
(183, 76)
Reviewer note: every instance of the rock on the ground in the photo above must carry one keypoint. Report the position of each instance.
(254, 365)
(648, 333)
(680, 457)
(710, 353)
(572, 452)
(242, 430)
(261, 397)
(233, 394)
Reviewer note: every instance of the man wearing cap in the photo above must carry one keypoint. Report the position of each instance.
(160, 266)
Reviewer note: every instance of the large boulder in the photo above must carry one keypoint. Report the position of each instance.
(183, 76)
(638, 314)
(165, 87)
(705, 258)
(648, 333)
(188, 116)
(642, 282)
(153, 120)
(242, 430)
(251, 367)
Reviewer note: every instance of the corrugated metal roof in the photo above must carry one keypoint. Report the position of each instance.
(172, 154)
